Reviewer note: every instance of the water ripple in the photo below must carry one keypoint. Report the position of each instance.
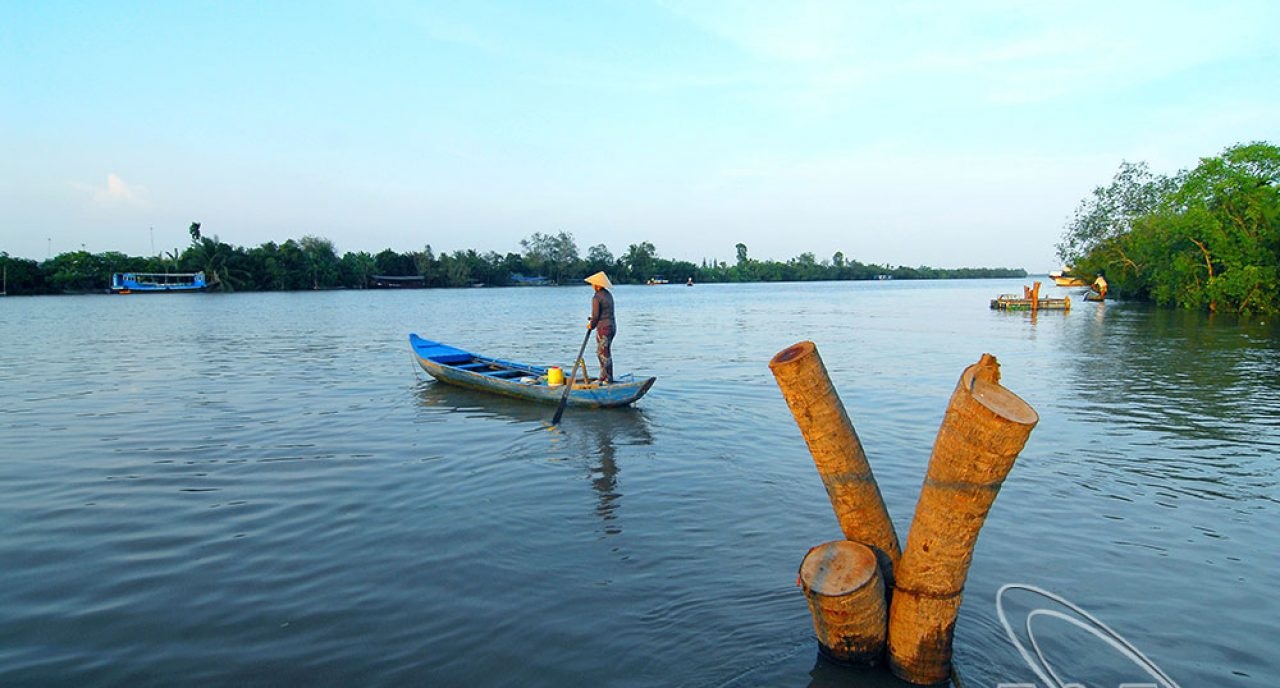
(278, 496)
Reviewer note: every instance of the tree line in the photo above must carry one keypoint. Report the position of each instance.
(1207, 238)
(312, 263)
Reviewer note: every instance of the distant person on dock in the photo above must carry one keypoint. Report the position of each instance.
(602, 321)
(1100, 285)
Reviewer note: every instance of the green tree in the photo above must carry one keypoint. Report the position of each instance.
(1110, 211)
(1220, 229)
(552, 255)
(804, 267)
(599, 258)
(1211, 239)
(263, 265)
(455, 270)
(428, 266)
(74, 272)
(639, 261)
(322, 260)
(21, 275)
(393, 264)
(294, 267)
(217, 261)
(356, 269)
(490, 270)
(680, 270)
(512, 264)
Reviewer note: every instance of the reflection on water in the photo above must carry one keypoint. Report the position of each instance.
(590, 435)
(436, 398)
(1192, 399)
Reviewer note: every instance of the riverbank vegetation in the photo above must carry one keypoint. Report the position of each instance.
(313, 263)
(1205, 238)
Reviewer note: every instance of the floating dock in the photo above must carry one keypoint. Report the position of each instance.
(1013, 302)
(1030, 301)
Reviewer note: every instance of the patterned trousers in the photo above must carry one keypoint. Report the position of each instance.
(604, 351)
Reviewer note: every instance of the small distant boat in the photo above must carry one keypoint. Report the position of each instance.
(657, 279)
(538, 281)
(397, 282)
(157, 282)
(1064, 278)
(455, 366)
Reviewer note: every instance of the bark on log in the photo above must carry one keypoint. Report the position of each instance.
(984, 429)
(836, 451)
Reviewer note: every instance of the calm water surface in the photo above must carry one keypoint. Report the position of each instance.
(261, 489)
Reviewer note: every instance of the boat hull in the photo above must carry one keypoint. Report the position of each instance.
(162, 290)
(461, 368)
(1063, 278)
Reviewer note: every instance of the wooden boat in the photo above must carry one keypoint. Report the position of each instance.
(1063, 278)
(455, 366)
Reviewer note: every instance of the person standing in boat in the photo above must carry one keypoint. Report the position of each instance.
(603, 322)
(1100, 285)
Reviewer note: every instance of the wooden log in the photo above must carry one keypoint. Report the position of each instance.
(842, 582)
(984, 428)
(836, 451)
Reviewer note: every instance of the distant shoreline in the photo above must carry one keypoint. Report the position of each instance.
(570, 285)
(312, 263)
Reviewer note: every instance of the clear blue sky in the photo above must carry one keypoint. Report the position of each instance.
(948, 134)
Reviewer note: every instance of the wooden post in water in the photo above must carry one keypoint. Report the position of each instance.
(841, 581)
(984, 428)
(836, 451)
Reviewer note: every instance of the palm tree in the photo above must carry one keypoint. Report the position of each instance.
(214, 258)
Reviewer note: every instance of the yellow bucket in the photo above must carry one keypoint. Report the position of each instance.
(555, 376)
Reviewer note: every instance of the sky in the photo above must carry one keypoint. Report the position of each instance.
(948, 134)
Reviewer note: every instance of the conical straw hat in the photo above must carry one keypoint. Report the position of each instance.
(600, 280)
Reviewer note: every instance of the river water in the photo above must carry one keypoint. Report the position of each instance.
(261, 489)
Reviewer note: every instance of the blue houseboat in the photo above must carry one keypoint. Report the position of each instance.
(157, 282)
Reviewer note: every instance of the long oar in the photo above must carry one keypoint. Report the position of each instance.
(568, 385)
